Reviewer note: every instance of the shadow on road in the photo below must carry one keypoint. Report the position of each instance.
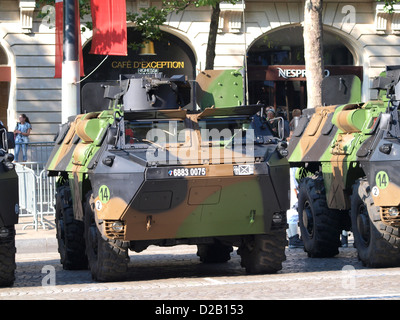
(166, 265)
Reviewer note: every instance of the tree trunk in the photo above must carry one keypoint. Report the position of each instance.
(212, 37)
(313, 52)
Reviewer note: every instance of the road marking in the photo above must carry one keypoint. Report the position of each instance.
(217, 282)
(357, 297)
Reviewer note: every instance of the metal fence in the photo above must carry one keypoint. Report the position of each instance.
(36, 189)
(38, 152)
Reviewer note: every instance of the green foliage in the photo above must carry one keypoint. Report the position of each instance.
(179, 5)
(389, 5)
(148, 20)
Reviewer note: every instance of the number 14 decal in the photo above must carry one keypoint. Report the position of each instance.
(104, 194)
(382, 179)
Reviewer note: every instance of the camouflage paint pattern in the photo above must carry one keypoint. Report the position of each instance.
(226, 87)
(152, 204)
(344, 143)
(341, 89)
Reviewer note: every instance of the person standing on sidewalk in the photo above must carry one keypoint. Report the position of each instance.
(292, 215)
(21, 134)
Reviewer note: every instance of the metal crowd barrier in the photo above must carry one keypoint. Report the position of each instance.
(38, 152)
(36, 189)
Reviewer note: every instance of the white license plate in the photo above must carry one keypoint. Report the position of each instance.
(187, 172)
(243, 169)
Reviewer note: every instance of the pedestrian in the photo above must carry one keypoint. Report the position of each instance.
(292, 214)
(270, 113)
(21, 134)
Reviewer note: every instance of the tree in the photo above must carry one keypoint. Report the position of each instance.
(313, 52)
(212, 37)
(179, 5)
(389, 5)
(149, 20)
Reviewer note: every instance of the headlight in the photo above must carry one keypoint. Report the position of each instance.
(117, 226)
(393, 211)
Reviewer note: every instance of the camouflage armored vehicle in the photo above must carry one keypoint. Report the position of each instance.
(9, 209)
(348, 168)
(147, 171)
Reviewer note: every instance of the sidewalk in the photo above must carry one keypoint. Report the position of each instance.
(30, 241)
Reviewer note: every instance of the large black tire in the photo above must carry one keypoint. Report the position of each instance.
(108, 259)
(214, 253)
(7, 259)
(263, 253)
(71, 243)
(377, 243)
(319, 225)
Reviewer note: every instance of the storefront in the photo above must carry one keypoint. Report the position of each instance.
(276, 70)
(170, 56)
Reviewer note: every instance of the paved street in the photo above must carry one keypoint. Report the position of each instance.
(160, 275)
(176, 273)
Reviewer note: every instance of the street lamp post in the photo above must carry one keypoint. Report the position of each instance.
(70, 66)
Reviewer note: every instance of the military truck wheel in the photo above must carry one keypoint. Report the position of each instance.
(108, 259)
(376, 243)
(7, 259)
(214, 253)
(319, 225)
(263, 253)
(71, 243)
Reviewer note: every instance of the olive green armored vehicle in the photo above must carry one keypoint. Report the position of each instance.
(348, 160)
(9, 209)
(151, 170)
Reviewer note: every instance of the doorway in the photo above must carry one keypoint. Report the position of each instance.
(5, 80)
(276, 72)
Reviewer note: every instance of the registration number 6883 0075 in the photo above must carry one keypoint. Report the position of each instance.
(187, 172)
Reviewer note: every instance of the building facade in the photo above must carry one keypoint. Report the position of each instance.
(263, 36)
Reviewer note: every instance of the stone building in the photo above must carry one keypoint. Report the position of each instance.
(359, 38)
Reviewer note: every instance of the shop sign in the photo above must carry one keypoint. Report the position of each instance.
(147, 67)
(295, 73)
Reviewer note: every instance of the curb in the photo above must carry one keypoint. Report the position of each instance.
(40, 245)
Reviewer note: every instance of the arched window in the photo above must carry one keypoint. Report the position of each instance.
(286, 47)
(172, 56)
(276, 70)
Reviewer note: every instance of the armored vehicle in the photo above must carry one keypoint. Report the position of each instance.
(148, 171)
(9, 209)
(348, 162)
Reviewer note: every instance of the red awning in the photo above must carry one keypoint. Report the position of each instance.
(5, 73)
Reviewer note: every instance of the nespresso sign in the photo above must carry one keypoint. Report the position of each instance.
(297, 72)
